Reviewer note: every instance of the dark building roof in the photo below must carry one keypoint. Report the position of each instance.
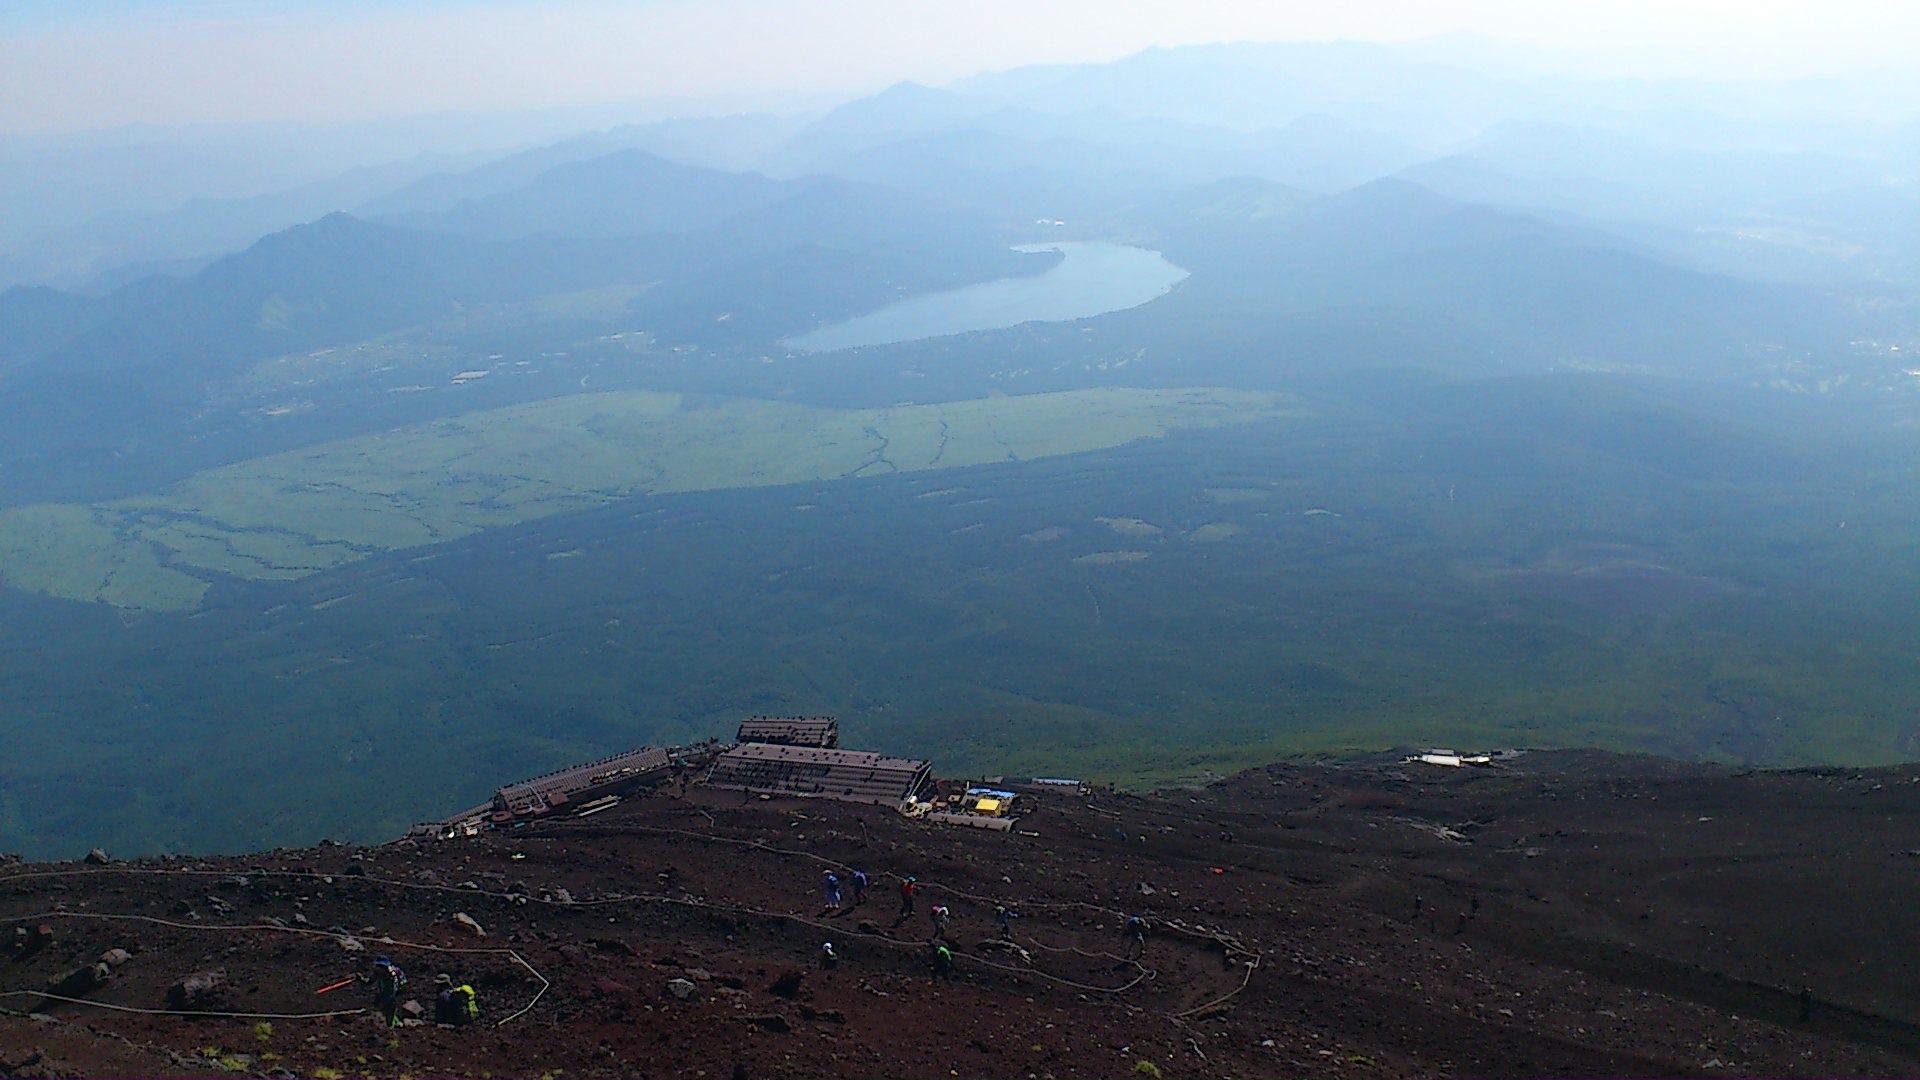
(600, 777)
(821, 731)
(849, 775)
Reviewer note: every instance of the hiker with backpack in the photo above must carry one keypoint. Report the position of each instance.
(908, 886)
(859, 887)
(454, 1005)
(387, 981)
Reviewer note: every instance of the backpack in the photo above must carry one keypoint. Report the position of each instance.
(390, 974)
(465, 1002)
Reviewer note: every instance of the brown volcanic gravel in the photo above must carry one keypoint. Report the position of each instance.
(1579, 914)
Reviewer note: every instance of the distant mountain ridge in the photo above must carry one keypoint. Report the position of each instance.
(625, 193)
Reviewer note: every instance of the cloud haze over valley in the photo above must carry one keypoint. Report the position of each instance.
(397, 397)
(1381, 537)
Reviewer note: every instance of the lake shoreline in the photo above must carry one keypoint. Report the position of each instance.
(1093, 278)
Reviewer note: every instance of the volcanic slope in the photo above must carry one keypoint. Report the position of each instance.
(1577, 914)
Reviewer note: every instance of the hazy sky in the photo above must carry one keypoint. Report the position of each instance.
(69, 64)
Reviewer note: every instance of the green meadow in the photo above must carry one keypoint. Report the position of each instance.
(294, 514)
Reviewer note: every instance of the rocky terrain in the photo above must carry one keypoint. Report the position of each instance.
(1565, 914)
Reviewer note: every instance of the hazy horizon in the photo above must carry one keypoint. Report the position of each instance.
(88, 66)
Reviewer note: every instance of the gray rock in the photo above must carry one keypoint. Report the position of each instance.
(196, 990)
(115, 957)
(682, 989)
(96, 857)
(414, 1008)
(82, 980)
(468, 921)
(351, 944)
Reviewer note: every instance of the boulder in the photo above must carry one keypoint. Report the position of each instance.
(115, 957)
(350, 944)
(467, 921)
(414, 1009)
(96, 857)
(81, 980)
(198, 990)
(682, 989)
(28, 942)
(788, 984)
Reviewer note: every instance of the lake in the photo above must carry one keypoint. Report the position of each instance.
(1093, 279)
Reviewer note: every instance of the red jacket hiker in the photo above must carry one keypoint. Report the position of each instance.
(907, 889)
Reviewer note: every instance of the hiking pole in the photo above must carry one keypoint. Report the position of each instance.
(337, 985)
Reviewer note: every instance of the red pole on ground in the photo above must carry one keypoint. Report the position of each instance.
(337, 985)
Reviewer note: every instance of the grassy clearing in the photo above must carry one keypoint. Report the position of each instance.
(298, 513)
(83, 552)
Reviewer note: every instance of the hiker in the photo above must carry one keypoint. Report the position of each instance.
(938, 913)
(1004, 915)
(859, 887)
(454, 1005)
(1136, 936)
(388, 980)
(831, 886)
(1419, 902)
(907, 888)
(828, 958)
(942, 962)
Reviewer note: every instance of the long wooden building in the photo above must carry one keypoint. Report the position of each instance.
(820, 731)
(607, 776)
(815, 772)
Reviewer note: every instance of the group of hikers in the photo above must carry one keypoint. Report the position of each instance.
(830, 887)
(452, 1004)
(938, 915)
(457, 1004)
